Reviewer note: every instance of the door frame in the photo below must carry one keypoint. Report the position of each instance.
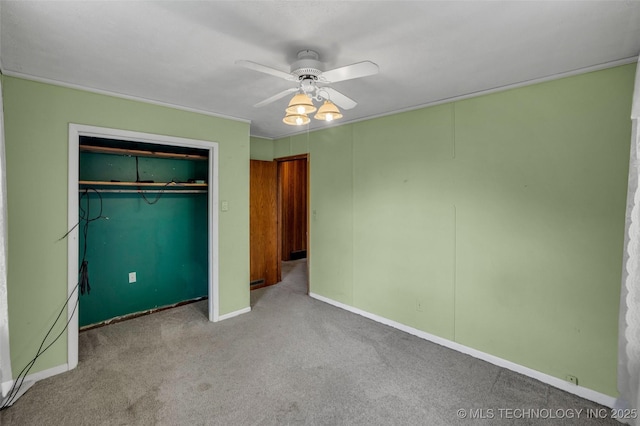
(279, 160)
(75, 132)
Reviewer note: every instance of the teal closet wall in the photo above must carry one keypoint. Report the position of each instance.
(165, 243)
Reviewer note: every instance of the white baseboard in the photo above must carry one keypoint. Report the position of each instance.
(31, 379)
(586, 393)
(234, 313)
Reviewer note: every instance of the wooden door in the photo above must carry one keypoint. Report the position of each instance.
(293, 208)
(263, 223)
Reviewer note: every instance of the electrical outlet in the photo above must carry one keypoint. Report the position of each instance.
(132, 277)
(572, 379)
(224, 206)
(419, 306)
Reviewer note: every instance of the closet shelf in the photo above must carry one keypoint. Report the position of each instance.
(167, 184)
(140, 153)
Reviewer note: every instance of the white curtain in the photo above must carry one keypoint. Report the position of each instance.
(629, 333)
(5, 361)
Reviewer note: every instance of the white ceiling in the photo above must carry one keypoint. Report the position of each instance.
(183, 53)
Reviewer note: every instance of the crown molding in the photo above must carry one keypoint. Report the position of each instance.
(557, 76)
(578, 71)
(118, 95)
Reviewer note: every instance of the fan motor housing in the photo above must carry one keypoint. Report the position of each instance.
(307, 65)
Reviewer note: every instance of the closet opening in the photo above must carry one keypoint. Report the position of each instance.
(144, 212)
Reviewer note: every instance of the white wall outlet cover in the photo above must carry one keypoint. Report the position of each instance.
(132, 277)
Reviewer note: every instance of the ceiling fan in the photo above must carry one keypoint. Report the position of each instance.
(308, 72)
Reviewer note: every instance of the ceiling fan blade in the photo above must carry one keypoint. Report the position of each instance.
(265, 69)
(276, 97)
(339, 99)
(348, 72)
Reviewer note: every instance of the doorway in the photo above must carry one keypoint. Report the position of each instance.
(279, 220)
(76, 132)
(292, 185)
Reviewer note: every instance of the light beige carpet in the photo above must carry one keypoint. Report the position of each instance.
(292, 360)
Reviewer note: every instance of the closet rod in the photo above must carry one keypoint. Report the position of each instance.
(147, 191)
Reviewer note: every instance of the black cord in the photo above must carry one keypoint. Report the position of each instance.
(68, 232)
(17, 384)
(83, 283)
(84, 215)
(140, 190)
(155, 200)
(84, 265)
(84, 278)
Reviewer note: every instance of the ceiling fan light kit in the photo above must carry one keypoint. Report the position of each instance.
(296, 119)
(301, 104)
(313, 84)
(328, 112)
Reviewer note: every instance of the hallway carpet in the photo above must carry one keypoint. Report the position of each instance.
(292, 360)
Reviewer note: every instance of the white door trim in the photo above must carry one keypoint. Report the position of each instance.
(77, 130)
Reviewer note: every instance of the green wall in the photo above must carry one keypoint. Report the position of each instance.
(165, 243)
(36, 130)
(496, 222)
(261, 149)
